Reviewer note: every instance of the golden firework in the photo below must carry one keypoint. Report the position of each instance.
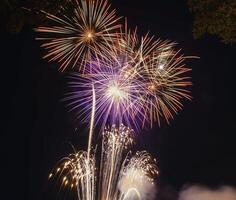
(78, 31)
(120, 175)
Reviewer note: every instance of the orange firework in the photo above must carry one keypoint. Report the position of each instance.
(166, 82)
(162, 76)
(136, 83)
(156, 71)
(79, 31)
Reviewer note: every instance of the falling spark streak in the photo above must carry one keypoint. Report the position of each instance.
(120, 174)
(92, 121)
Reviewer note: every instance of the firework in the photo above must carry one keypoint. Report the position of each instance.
(138, 84)
(141, 50)
(116, 95)
(79, 30)
(137, 80)
(115, 144)
(121, 176)
(167, 84)
(162, 75)
(91, 122)
(78, 172)
(140, 167)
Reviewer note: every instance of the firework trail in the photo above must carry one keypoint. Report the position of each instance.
(121, 176)
(91, 122)
(80, 29)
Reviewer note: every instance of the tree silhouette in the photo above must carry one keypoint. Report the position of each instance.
(217, 17)
(16, 14)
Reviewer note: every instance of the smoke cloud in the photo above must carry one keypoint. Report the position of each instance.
(135, 185)
(204, 193)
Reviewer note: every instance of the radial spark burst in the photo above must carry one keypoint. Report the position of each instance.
(139, 83)
(80, 30)
(163, 77)
(121, 176)
(117, 94)
(167, 82)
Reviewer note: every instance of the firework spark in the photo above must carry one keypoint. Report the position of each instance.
(80, 30)
(121, 176)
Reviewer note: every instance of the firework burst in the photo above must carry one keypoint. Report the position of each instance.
(80, 30)
(140, 82)
(116, 94)
(159, 69)
(122, 176)
(167, 84)
(137, 80)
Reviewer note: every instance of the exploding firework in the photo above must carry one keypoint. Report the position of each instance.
(117, 96)
(121, 176)
(125, 79)
(80, 30)
(162, 75)
(137, 80)
(138, 84)
(167, 84)
(141, 50)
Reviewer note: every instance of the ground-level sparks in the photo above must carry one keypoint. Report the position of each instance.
(120, 174)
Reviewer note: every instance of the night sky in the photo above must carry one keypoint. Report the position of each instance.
(197, 148)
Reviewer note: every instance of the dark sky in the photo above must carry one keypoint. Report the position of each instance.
(198, 146)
